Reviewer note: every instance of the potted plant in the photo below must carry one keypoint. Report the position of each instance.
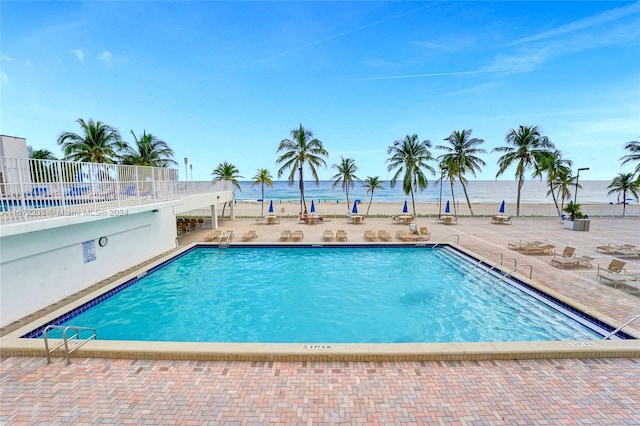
(577, 220)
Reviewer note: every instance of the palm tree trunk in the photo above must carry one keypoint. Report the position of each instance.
(555, 200)
(624, 202)
(370, 200)
(413, 202)
(262, 206)
(303, 203)
(346, 190)
(453, 198)
(466, 195)
(520, 183)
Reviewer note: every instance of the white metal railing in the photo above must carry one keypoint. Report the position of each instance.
(34, 189)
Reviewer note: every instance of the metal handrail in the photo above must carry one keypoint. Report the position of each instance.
(443, 240)
(488, 256)
(515, 265)
(614, 332)
(502, 277)
(65, 339)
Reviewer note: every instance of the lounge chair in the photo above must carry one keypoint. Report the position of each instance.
(341, 235)
(327, 235)
(370, 235)
(612, 248)
(572, 261)
(546, 249)
(384, 235)
(567, 252)
(403, 236)
(617, 279)
(249, 235)
(297, 235)
(523, 245)
(212, 236)
(626, 252)
(425, 231)
(616, 266)
(285, 235)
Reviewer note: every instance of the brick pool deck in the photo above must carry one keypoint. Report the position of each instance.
(533, 391)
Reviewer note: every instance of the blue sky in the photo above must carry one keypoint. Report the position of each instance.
(227, 81)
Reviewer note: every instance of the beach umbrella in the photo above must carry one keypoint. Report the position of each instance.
(405, 209)
(354, 210)
(501, 207)
(313, 207)
(447, 209)
(271, 206)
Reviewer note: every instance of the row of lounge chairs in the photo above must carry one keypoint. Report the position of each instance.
(619, 250)
(340, 235)
(287, 235)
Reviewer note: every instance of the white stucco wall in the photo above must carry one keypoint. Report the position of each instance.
(42, 267)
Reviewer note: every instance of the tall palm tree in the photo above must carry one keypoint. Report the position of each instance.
(227, 172)
(148, 150)
(300, 151)
(528, 147)
(371, 183)
(98, 143)
(262, 177)
(563, 182)
(634, 157)
(624, 183)
(552, 164)
(409, 157)
(461, 158)
(346, 175)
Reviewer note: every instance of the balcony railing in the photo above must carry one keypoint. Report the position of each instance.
(34, 189)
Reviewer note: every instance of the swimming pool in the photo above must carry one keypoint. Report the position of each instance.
(331, 294)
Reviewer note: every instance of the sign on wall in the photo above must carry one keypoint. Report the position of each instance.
(89, 251)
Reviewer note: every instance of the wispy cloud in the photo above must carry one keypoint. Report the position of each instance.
(581, 24)
(79, 54)
(432, 74)
(4, 78)
(460, 42)
(105, 57)
(6, 58)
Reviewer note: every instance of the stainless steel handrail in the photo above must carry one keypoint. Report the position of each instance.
(65, 339)
(626, 323)
(443, 240)
(515, 265)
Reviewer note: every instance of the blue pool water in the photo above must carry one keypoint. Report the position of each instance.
(326, 295)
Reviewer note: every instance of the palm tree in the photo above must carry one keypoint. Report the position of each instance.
(41, 171)
(634, 157)
(461, 158)
(263, 177)
(528, 148)
(410, 157)
(228, 173)
(624, 183)
(371, 183)
(346, 175)
(40, 154)
(98, 143)
(148, 151)
(563, 182)
(552, 164)
(303, 149)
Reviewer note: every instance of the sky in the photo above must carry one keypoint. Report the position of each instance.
(227, 81)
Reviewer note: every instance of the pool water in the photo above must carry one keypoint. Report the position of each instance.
(326, 295)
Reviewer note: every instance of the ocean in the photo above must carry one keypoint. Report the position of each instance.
(480, 191)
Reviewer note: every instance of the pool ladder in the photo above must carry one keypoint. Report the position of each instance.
(225, 239)
(626, 323)
(71, 342)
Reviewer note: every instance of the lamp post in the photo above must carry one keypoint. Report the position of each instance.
(186, 175)
(191, 168)
(442, 170)
(575, 195)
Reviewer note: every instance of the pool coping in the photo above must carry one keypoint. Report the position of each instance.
(12, 344)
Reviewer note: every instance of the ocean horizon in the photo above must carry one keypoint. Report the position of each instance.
(480, 191)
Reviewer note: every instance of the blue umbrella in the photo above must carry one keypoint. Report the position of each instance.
(501, 207)
(446, 208)
(313, 207)
(271, 206)
(354, 210)
(405, 209)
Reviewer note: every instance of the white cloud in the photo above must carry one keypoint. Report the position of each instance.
(105, 57)
(4, 78)
(6, 58)
(79, 54)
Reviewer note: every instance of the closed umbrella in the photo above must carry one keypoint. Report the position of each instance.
(354, 210)
(447, 208)
(313, 207)
(501, 207)
(405, 209)
(271, 206)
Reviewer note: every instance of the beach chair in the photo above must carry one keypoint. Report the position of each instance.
(403, 236)
(341, 235)
(384, 235)
(285, 235)
(616, 266)
(327, 235)
(370, 235)
(523, 245)
(565, 262)
(613, 248)
(621, 279)
(212, 236)
(297, 235)
(546, 249)
(249, 235)
(424, 231)
(567, 252)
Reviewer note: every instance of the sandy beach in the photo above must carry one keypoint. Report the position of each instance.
(252, 209)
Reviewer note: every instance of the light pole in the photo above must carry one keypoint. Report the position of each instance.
(191, 168)
(575, 195)
(442, 170)
(186, 175)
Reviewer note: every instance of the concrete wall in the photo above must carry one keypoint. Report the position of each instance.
(11, 146)
(41, 267)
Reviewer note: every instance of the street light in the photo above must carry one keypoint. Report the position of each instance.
(186, 175)
(444, 169)
(191, 168)
(575, 195)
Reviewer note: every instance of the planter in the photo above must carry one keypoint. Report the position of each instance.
(578, 224)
